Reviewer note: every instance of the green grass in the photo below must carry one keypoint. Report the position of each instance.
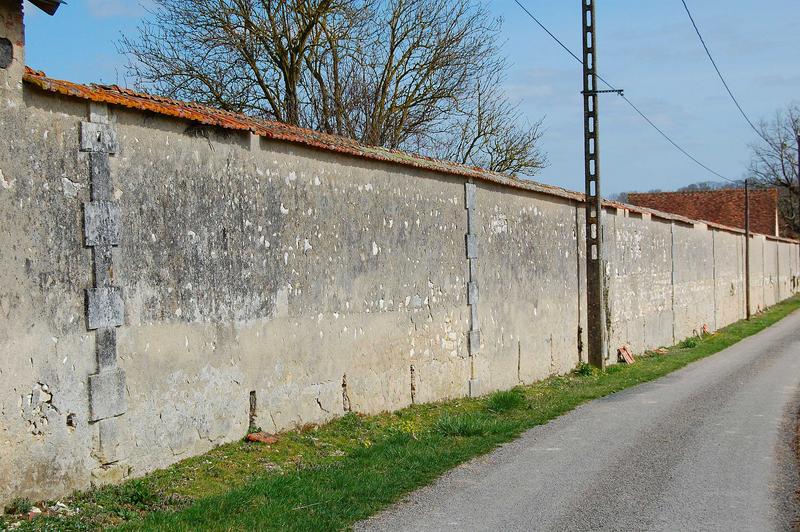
(503, 401)
(329, 477)
(19, 505)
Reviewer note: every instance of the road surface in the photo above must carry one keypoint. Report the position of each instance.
(708, 447)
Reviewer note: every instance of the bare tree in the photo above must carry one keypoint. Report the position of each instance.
(404, 74)
(240, 55)
(489, 131)
(774, 159)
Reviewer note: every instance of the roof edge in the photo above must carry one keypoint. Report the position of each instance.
(48, 6)
(683, 192)
(114, 95)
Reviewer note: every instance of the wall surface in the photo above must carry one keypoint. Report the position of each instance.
(639, 253)
(163, 285)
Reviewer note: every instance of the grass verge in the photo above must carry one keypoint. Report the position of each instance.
(329, 477)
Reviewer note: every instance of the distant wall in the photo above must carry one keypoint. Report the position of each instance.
(316, 282)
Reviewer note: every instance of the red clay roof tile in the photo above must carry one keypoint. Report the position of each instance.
(724, 206)
(115, 95)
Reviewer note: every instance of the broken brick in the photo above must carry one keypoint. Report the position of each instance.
(262, 437)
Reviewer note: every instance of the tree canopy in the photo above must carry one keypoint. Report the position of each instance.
(418, 75)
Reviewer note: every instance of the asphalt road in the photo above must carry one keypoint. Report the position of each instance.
(708, 447)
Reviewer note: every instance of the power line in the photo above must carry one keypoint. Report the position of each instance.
(536, 20)
(719, 73)
(676, 145)
(625, 98)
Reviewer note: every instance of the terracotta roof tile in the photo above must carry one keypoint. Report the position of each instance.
(115, 95)
(719, 206)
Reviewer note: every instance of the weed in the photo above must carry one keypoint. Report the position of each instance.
(689, 343)
(19, 506)
(503, 401)
(468, 425)
(407, 426)
(137, 494)
(585, 370)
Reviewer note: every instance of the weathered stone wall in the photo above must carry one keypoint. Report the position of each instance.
(640, 285)
(758, 273)
(693, 266)
(529, 310)
(729, 298)
(268, 282)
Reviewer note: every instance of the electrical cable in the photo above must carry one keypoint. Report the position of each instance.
(625, 98)
(719, 73)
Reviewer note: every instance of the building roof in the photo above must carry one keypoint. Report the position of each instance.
(724, 206)
(48, 6)
(115, 95)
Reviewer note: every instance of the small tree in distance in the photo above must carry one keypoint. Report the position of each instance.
(774, 160)
(418, 75)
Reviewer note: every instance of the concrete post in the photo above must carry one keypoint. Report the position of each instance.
(748, 310)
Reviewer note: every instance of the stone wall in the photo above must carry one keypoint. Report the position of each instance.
(163, 285)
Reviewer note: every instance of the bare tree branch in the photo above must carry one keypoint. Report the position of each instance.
(774, 160)
(410, 74)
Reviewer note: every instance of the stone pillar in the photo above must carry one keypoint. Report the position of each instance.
(12, 52)
(474, 344)
(104, 304)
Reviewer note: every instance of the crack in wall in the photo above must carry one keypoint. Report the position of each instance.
(346, 405)
(319, 404)
(413, 385)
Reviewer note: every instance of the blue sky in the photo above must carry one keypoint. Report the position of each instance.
(646, 47)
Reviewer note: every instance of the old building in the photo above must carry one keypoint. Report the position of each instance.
(724, 207)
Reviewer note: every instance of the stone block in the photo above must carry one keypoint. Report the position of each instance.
(110, 437)
(473, 317)
(472, 247)
(472, 293)
(100, 173)
(101, 223)
(474, 342)
(475, 389)
(472, 222)
(107, 396)
(98, 137)
(255, 141)
(106, 349)
(104, 307)
(470, 193)
(103, 266)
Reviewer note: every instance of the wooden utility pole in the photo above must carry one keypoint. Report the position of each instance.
(595, 281)
(798, 183)
(747, 247)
